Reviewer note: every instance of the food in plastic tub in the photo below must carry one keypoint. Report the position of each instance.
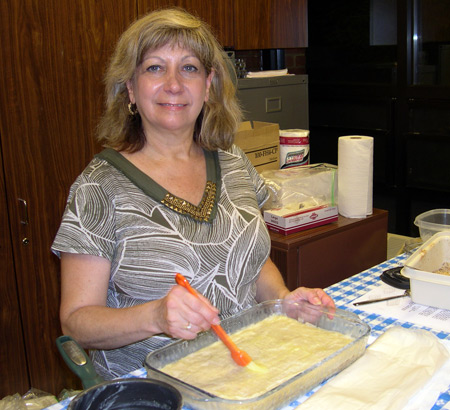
(426, 269)
(432, 222)
(346, 323)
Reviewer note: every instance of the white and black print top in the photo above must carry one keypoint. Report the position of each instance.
(116, 212)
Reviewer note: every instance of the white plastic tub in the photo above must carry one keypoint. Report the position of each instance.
(427, 287)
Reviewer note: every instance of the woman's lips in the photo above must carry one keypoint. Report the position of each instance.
(172, 105)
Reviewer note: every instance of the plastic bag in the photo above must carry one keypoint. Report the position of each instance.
(14, 402)
(301, 187)
(33, 399)
(66, 393)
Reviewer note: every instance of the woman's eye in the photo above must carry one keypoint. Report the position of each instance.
(154, 68)
(190, 68)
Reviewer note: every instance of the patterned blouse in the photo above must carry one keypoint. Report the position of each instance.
(117, 212)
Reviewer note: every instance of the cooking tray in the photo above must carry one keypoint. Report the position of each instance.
(341, 321)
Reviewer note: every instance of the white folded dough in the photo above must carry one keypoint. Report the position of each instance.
(397, 365)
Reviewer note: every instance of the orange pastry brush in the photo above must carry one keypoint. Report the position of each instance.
(239, 356)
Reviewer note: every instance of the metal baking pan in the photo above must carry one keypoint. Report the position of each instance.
(341, 321)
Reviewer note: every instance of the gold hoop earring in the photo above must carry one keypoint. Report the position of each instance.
(132, 109)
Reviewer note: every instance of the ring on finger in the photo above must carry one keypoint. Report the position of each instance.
(188, 326)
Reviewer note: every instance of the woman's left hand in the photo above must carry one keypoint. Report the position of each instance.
(270, 285)
(314, 296)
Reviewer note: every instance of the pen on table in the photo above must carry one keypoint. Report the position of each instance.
(366, 302)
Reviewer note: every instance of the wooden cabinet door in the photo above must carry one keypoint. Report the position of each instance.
(53, 58)
(13, 363)
(217, 13)
(270, 24)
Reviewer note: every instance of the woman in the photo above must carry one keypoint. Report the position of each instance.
(170, 193)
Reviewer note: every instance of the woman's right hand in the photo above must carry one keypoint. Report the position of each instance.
(83, 311)
(85, 316)
(182, 315)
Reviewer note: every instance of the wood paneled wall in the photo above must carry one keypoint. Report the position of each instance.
(53, 55)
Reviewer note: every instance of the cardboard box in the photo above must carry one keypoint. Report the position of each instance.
(300, 220)
(261, 143)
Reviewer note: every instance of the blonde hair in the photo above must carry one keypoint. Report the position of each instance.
(221, 114)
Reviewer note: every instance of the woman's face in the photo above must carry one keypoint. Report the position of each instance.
(169, 88)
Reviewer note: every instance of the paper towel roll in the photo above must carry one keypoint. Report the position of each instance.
(355, 176)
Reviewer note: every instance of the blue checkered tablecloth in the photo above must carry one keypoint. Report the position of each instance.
(344, 293)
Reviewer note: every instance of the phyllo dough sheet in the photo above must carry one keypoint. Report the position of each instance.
(282, 346)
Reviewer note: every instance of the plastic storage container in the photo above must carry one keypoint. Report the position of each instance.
(432, 222)
(427, 287)
(340, 321)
